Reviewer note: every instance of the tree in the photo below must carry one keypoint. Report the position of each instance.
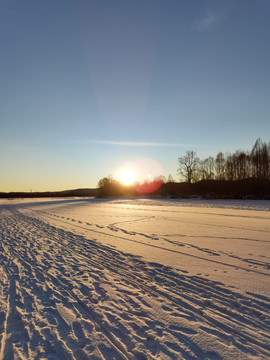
(207, 168)
(220, 166)
(108, 187)
(188, 166)
(241, 160)
(260, 158)
(170, 179)
(230, 167)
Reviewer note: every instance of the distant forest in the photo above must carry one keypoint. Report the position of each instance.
(238, 175)
(65, 193)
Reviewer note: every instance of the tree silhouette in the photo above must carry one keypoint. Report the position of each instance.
(108, 187)
(188, 166)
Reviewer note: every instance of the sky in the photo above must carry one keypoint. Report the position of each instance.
(91, 87)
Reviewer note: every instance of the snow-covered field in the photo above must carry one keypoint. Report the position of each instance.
(134, 279)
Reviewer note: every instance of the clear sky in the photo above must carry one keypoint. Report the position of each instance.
(88, 87)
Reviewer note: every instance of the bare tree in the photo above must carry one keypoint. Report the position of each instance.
(170, 179)
(207, 168)
(230, 167)
(188, 166)
(241, 160)
(220, 166)
(260, 159)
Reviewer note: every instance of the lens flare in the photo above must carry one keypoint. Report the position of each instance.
(149, 175)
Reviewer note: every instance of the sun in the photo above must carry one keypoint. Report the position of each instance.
(127, 176)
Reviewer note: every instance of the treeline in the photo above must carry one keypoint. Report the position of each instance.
(235, 166)
(242, 174)
(108, 186)
(218, 189)
(64, 193)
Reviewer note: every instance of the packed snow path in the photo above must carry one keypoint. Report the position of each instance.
(64, 295)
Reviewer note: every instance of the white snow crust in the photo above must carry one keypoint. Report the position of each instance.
(134, 278)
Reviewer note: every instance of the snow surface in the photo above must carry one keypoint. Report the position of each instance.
(134, 279)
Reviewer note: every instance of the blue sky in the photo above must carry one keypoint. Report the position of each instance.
(89, 87)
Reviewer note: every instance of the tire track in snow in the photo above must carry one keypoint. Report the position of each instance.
(229, 327)
(222, 226)
(154, 246)
(13, 317)
(263, 264)
(4, 313)
(122, 352)
(192, 297)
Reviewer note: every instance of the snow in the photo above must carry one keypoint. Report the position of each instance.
(134, 279)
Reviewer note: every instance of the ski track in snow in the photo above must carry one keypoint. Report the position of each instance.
(65, 296)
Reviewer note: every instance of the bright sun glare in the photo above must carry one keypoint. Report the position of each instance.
(127, 176)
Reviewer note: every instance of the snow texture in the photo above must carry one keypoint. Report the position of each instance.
(134, 279)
